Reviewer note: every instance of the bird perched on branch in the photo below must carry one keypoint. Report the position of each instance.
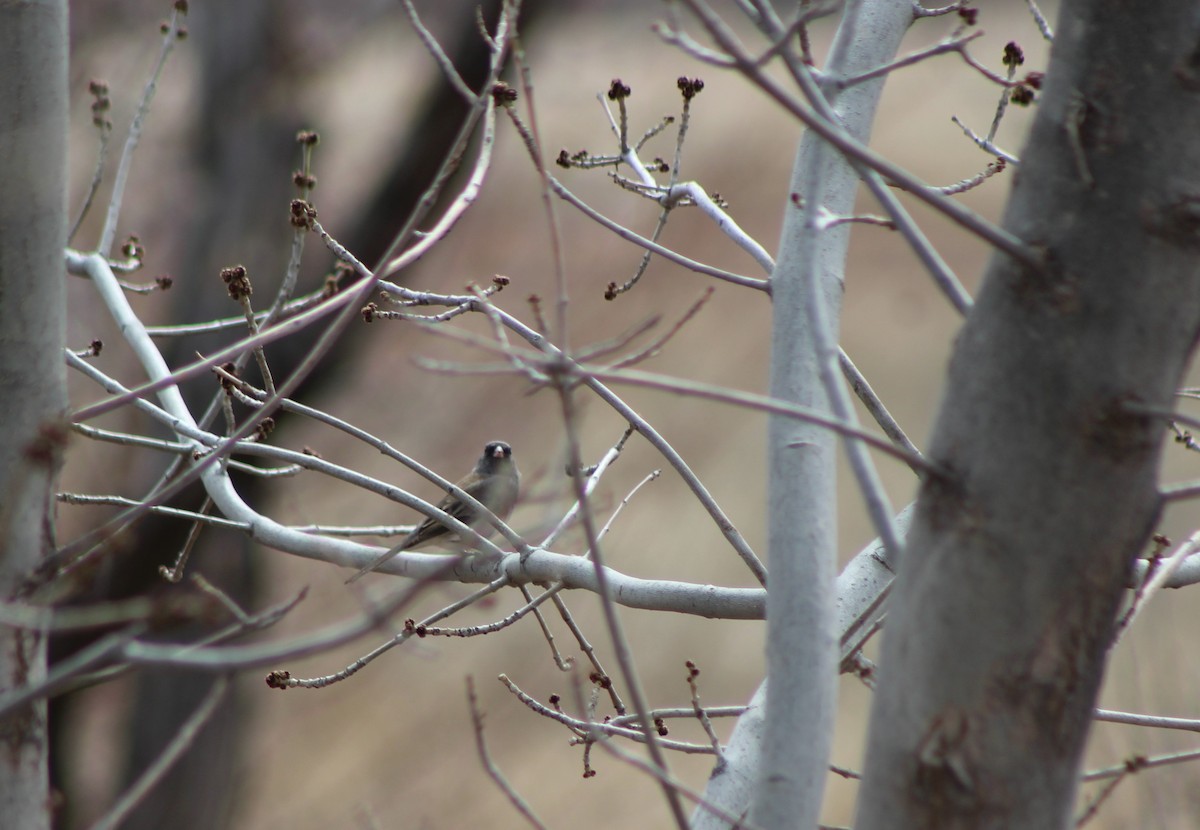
(494, 483)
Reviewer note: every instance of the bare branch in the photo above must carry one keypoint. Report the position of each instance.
(581, 727)
(974, 181)
(665, 253)
(100, 107)
(435, 49)
(171, 754)
(1138, 763)
(762, 403)
(1040, 20)
(490, 767)
(172, 32)
(284, 679)
(1159, 580)
(1152, 721)
(620, 643)
(984, 143)
(702, 716)
(955, 44)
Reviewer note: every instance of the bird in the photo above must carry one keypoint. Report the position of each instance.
(494, 482)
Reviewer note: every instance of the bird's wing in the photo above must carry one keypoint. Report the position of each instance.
(460, 509)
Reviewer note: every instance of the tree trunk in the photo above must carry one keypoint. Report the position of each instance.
(33, 159)
(1003, 609)
(802, 648)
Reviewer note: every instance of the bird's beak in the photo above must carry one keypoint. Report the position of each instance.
(498, 452)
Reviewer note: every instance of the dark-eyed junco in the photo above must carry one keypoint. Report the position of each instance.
(493, 483)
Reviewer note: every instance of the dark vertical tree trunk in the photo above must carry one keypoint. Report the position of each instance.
(33, 169)
(1003, 610)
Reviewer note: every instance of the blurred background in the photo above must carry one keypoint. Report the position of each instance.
(393, 747)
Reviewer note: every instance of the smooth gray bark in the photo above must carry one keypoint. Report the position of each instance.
(802, 646)
(33, 134)
(861, 587)
(1003, 609)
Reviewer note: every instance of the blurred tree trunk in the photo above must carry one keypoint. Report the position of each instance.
(33, 168)
(1003, 609)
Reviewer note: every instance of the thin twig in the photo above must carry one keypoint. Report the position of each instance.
(681, 712)
(435, 49)
(179, 744)
(174, 512)
(599, 673)
(1093, 807)
(618, 640)
(1159, 580)
(581, 727)
(1152, 721)
(171, 34)
(223, 659)
(563, 664)
(284, 680)
(300, 304)
(104, 127)
(490, 767)
(954, 44)
(481, 108)
(1140, 762)
(539, 162)
(1181, 491)
(661, 341)
(531, 606)
(974, 181)
(649, 245)
(1040, 19)
(305, 182)
(702, 716)
(175, 572)
(763, 403)
(879, 411)
(984, 143)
